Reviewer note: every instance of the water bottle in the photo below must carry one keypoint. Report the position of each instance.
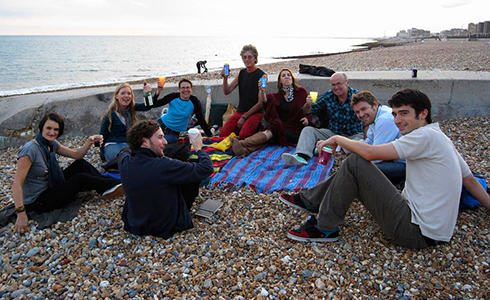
(148, 96)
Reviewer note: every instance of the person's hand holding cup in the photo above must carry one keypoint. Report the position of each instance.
(195, 138)
(97, 139)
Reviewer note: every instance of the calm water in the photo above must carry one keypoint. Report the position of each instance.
(45, 63)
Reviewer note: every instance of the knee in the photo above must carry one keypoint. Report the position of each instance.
(357, 160)
(308, 130)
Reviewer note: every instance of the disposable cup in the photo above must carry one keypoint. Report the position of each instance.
(162, 80)
(193, 132)
(325, 155)
(313, 96)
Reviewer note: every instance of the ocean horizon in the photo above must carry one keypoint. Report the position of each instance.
(49, 63)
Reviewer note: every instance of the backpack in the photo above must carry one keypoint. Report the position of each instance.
(467, 201)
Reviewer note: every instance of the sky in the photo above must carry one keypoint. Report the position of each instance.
(285, 18)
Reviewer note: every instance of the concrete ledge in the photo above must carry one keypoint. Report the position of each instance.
(453, 94)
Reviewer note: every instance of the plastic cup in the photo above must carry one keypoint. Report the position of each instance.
(313, 96)
(193, 132)
(162, 80)
(325, 155)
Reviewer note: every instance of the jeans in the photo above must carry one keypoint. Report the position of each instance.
(111, 150)
(170, 136)
(394, 170)
(362, 180)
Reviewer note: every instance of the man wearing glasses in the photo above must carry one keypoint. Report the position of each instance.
(180, 109)
(336, 117)
(245, 122)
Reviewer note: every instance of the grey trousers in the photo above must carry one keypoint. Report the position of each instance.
(361, 179)
(310, 135)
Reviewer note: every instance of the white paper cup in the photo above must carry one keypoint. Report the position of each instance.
(193, 132)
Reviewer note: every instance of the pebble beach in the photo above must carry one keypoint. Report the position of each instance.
(242, 252)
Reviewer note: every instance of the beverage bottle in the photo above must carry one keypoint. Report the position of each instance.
(147, 95)
(325, 155)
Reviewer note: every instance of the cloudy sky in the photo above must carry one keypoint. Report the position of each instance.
(312, 18)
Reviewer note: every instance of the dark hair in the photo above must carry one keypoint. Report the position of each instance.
(363, 96)
(140, 130)
(252, 49)
(279, 84)
(55, 118)
(415, 99)
(185, 80)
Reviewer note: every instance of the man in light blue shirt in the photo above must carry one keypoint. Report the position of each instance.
(382, 130)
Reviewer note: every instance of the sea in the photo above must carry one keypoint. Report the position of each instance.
(31, 64)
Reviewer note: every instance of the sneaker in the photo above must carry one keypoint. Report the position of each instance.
(113, 192)
(293, 159)
(309, 232)
(296, 202)
(315, 152)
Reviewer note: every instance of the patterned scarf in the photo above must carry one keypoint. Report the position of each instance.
(55, 174)
(289, 89)
(127, 118)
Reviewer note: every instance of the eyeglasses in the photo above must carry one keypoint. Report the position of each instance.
(247, 57)
(185, 87)
(337, 84)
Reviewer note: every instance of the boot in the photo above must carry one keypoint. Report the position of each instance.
(250, 144)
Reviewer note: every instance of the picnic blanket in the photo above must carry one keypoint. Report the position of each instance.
(265, 172)
(219, 158)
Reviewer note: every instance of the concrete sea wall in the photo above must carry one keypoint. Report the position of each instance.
(453, 95)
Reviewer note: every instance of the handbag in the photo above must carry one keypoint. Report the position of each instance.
(230, 111)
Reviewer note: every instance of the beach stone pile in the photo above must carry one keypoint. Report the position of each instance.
(242, 252)
(451, 55)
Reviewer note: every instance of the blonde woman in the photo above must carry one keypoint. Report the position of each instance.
(120, 116)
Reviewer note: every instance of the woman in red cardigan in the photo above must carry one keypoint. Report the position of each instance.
(283, 114)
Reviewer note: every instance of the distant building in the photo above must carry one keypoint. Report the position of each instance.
(413, 33)
(472, 28)
(418, 33)
(455, 32)
(486, 27)
(480, 29)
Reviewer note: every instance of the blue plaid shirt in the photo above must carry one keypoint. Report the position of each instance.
(341, 118)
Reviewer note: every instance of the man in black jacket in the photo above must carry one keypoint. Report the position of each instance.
(154, 184)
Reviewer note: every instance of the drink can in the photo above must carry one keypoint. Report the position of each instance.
(263, 82)
(227, 69)
(414, 73)
(325, 155)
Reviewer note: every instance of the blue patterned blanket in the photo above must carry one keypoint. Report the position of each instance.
(265, 172)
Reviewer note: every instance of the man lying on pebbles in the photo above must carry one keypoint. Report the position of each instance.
(425, 213)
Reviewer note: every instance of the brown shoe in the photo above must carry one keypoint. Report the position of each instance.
(237, 147)
(248, 145)
(113, 192)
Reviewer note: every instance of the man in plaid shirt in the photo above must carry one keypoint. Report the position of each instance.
(332, 108)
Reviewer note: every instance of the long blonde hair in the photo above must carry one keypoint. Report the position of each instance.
(115, 107)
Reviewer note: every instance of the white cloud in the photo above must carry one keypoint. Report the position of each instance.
(351, 18)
